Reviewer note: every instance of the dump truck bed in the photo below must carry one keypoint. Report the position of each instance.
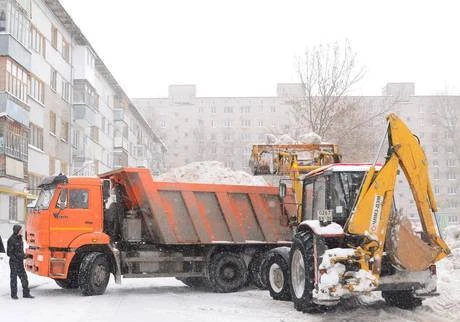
(188, 213)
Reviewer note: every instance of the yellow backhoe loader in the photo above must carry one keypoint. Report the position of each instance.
(350, 240)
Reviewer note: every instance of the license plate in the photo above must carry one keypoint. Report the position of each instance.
(325, 215)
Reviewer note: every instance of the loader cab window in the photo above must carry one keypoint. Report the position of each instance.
(308, 201)
(344, 188)
(319, 196)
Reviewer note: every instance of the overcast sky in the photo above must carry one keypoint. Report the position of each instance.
(246, 47)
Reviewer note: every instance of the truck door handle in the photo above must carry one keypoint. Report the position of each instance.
(88, 222)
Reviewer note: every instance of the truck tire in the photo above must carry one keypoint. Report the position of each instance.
(94, 274)
(302, 271)
(278, 277)
(69, 283)
(227, 272)
(258, 270)
(402, 299)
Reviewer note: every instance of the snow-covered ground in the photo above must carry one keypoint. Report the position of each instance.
(167, 299)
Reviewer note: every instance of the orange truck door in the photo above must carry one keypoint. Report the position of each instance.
(70, 215)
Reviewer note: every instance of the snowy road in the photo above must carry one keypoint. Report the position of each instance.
(169, 300)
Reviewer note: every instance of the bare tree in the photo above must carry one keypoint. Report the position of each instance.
(327, 73)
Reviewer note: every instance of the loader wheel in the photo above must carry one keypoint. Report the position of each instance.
(278, 277)
(402, 299)
(302, 271)
(227, 272)
(258, 270)
(94, 274)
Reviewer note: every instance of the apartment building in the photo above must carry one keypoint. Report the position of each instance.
(224, 129)
(61, 109)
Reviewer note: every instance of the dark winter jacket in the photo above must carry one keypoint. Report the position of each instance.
(2, 248)
(15, 246)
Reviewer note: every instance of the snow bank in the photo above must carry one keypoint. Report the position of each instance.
(453, 241)
(310, 138)
(210, 172)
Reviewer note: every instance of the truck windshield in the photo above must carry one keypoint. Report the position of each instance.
(44, 198)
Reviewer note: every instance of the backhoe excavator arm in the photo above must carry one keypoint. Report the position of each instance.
(373, 209)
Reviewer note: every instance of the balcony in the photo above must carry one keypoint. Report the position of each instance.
(120, 143)
(84, 115)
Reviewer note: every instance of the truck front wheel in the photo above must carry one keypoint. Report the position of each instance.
(94, 274)
(301, 282)
(227, 272)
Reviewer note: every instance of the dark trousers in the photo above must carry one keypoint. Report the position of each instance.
(17, 270)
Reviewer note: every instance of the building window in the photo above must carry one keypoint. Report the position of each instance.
(95, 134)
(227, 137)
(451, 163)
(19, 25)
(17, 79)
(37, 41)
(245, 109)
(52, 122)
(451, 175)
(34, 181)
(36, 136)
(65, 131)
(13, 141)
(90, 59)
(437, 191)
(227, 123)
(36, 89)
(54, 37)
(452, 190)
(213, 110)
(435, 163)
(260, 123)
(228, 109)
(65, 91)
(13, 208)
(65, 50)
(273, 108)
(213, 123)
(245, 123)
(435, 149)
(53, 79)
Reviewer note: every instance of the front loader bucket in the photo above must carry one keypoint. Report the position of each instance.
(408, 250)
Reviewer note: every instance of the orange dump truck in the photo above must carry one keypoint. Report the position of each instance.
(123, 222)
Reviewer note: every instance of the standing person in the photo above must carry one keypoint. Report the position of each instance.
(2, 248)
(15, 250)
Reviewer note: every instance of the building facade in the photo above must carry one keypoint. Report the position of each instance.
(225, 128)
(61, 110)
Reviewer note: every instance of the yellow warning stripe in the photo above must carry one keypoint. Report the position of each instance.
(70, 228)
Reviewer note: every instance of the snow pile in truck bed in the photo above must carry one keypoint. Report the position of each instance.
(210, 172)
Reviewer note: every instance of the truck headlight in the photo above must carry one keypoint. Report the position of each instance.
(39, 258)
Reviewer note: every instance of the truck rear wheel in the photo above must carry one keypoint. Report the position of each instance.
(402, 299)
(301, 282)
(258, 270)
(278, 277)
(94, 274)
(227, 272)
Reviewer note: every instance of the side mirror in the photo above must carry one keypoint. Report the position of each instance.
(282, 190)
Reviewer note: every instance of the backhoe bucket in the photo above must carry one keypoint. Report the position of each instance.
(407, 249)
